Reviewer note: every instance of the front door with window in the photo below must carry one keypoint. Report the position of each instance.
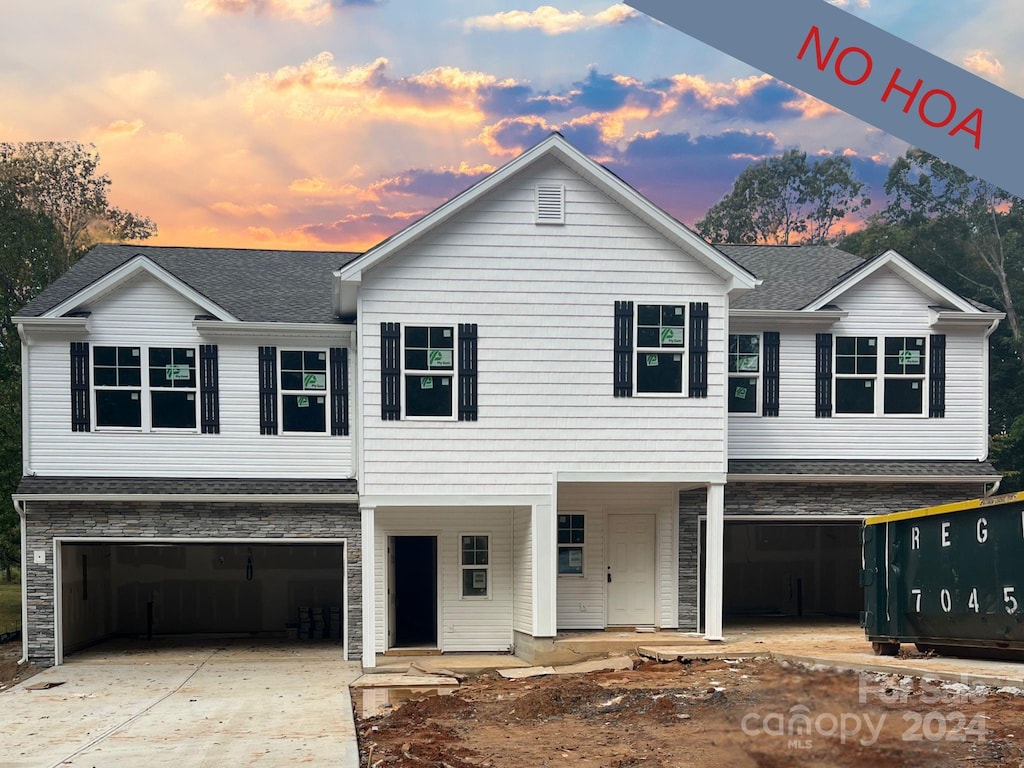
(631, 557)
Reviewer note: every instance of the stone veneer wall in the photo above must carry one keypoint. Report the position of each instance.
(239, 520)
(797, 499)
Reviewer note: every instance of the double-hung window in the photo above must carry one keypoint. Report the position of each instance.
(429, 371)
(476, 566)
(897, 367)
(744, 372)
(660, 349)
(304, 391)
(165, 398)
(571, 540)
(905, 370)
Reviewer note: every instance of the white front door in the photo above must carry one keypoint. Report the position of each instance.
(631, 556)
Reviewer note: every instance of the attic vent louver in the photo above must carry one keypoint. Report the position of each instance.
(550, 204)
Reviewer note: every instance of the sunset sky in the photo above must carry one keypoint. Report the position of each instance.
(331, 124)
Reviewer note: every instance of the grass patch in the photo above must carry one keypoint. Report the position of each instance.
(10, 605)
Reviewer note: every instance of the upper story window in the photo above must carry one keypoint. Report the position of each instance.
(164, 399)
(744, 372)
(304, 387)
(888, 378)
(660, 349)
(429, 371)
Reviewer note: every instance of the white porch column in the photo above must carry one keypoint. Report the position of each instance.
(714, 531)
(545, 569)
(369, 555)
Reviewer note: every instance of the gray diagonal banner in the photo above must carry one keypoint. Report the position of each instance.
(867, 72)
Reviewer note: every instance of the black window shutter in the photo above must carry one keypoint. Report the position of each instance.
(699, 349)
(823, 376)
(209, 394)
(770, 377)
(937, 377)
(623, 373)
(339, 391)
(80, 386)
(268, 390)
(390, 371)
(467, 372)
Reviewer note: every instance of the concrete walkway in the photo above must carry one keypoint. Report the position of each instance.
(236, 704)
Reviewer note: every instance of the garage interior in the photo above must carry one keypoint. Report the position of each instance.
(143, 590)
(791, 569)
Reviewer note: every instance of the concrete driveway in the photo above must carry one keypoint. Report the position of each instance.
(218, 705)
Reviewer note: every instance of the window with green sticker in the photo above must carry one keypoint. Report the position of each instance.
(304, 388)
(429, 357)
(660, 348)
(887, 375)
(744, 372)
(145, 389)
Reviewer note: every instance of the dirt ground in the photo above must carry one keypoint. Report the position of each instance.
(702, 714)
(10, 672)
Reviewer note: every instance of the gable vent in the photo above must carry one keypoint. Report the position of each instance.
(550, 204)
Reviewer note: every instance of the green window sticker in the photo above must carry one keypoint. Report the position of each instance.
(177, 372)
(426, 382)
(652, 361)
(302, 402)
(671, 337)
(314, 381)
(440, 358)
(910, 357)
(741, 393)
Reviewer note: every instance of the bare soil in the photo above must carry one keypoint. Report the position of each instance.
(702, 714)
(10, 671)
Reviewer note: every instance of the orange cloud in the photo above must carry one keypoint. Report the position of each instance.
(308, 11)
(551, 21)
(984, 63)
(120, 128)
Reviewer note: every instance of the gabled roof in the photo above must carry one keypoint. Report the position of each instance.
(554, 146)
(908, 271)
(250, 285)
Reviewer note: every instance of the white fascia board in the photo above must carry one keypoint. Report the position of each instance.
(128, 270)
(849, 479)
(30, 328)
(945, 318)
(337, 332)
(291, 498)
(383, 501)
(677, 478)
(556, 146)
(912, 274)
(818, 317)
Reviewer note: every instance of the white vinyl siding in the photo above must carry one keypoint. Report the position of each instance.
(145, 312)
(882, 305)
(544, 301)
(522, 570)
(465, 624)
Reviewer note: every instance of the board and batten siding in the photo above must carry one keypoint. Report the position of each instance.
(882, 305)
(543, 298)
(522, 570)
(145, 312)
(465, 624)
(582, 600)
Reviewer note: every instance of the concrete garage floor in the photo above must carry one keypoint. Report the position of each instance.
(125, 705)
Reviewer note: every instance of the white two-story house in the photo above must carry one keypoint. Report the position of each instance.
(545, 406)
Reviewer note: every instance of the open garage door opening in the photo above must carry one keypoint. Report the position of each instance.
(791, 570)
(213, 589)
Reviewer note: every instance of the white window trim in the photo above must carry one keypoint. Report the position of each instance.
(325, 393)
(558, 547)
(453, 374)
(879, 377)
(759, 398)
(145, 391)
(476, 567)
(683, 350)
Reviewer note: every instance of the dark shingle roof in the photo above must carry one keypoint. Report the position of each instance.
(793, 275)
(121, 486)
(253, 285)
(980, 470)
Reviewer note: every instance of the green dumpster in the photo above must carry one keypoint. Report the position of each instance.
(949, 579)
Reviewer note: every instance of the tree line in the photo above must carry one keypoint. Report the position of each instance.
(54, 206)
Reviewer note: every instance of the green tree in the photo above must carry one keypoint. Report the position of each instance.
(60, 180)
(53, 207)
(786, 199)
